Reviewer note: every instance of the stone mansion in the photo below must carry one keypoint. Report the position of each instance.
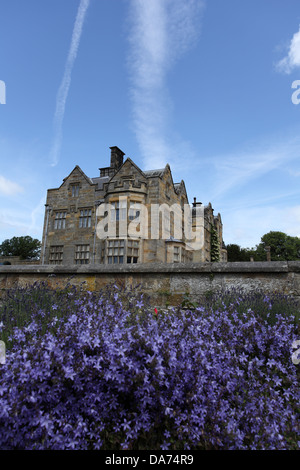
(126, 215)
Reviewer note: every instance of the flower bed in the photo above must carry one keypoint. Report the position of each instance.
(109, 372)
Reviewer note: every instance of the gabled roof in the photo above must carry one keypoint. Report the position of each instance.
(100, 180)
(154, 173)
(128, 160)
(77, 168)
(180, 187)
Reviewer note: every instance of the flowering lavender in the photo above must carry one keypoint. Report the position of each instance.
(113, 375)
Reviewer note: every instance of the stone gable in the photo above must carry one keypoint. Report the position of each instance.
(123, 197)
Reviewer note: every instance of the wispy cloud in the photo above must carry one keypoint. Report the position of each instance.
(292, 59)
(66, 81)
(9, 188)
(234, 171)
(250, 188)
(36, 216)
(161, 31)
(246, 226)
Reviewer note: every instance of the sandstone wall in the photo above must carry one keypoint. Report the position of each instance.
(165, 283)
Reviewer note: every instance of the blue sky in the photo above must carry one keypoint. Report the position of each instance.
(205, 86)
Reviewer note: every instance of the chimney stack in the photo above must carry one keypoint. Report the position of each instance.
(116, 158)
(195, 203)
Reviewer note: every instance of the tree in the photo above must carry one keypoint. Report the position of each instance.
(236, 253)
(282, 247)
(25, 247)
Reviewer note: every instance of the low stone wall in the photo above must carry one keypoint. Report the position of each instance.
(165, 283)
(16, 260)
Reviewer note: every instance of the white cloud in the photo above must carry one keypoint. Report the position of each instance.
(161, 31)
(66, 81)
(9, 188)
(292, 59)
(22, 219)
(235, 170)
(254, 190)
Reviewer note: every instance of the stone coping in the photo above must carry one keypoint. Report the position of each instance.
(226, 267)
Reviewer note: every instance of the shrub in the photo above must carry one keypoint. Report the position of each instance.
(113, 374)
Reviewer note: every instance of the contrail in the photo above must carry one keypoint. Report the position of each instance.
(65, 83)
(161, 32)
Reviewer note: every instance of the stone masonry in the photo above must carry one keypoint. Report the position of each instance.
(164, 283)
(125, 216)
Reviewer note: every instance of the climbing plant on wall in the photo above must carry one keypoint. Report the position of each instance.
(214, 245)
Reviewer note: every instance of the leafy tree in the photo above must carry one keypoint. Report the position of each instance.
(236, 253)
(282, 247)
(26, 247)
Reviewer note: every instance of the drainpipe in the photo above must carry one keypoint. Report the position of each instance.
(95, 231)
(46, 232)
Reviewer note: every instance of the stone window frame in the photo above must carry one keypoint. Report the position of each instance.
(186, 256)
(181, 255)
(115, 251)
(60, 219)
(176, 254)
(82, 253)
(118, 210)
(134, 210)
(85, 217)
(133, 251)
(74, 188)
(56, 254)
(122, 251)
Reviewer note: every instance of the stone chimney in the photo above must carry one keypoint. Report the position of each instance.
(116, 158)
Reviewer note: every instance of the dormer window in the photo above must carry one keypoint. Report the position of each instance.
(75, 189)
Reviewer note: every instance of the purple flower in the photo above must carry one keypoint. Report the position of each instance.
(112, 374)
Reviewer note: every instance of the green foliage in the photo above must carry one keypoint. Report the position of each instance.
(283, 247)
(187, 302)
(236, 253)
(26, 247)
(214, 245)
